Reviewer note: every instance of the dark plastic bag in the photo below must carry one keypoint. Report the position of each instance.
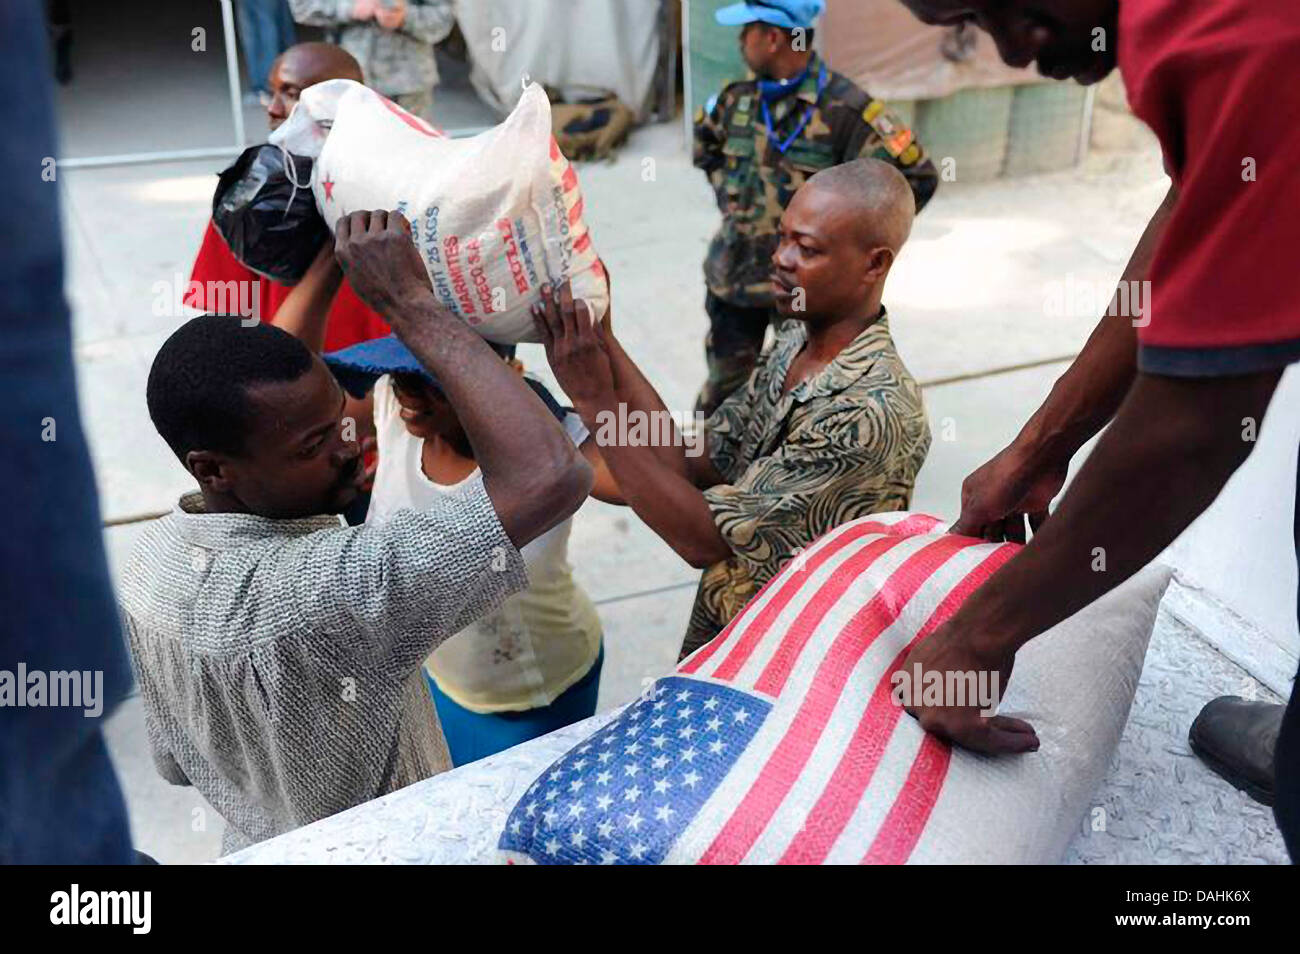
(271, 225)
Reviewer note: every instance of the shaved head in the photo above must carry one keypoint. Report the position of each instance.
(839, 237)
(312, 63)
(874, 196)
(303, 65)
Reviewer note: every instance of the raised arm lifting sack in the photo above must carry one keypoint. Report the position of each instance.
(780, 740)
(495, 216)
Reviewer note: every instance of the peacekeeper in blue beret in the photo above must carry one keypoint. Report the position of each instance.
(758, 141)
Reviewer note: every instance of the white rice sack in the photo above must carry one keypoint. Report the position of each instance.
(495, 216)
(780, 741)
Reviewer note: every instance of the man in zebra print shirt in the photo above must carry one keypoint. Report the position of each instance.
(829, 427)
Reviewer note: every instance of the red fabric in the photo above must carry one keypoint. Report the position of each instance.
(1216, 81)
(350, 320)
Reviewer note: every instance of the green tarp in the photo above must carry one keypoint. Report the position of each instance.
(714, 54)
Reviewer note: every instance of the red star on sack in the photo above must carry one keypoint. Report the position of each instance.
(329, 189)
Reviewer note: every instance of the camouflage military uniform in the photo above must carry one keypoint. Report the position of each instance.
(754, 182)
(398, 63)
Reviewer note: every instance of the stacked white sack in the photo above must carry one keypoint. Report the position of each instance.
(495, 217)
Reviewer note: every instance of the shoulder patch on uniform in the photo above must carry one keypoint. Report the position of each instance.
(896, 136)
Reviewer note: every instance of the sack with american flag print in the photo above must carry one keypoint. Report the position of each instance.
(781, 742)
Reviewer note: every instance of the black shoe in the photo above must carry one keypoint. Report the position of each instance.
(1236, 739)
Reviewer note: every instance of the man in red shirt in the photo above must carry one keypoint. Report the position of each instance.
(350, 321)
(1217, 83)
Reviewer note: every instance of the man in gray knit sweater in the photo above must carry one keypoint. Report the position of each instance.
(279, 653)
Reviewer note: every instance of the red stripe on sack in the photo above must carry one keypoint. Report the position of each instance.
(791, 586)
(701, 655)
(861, 758)
(569, 181)
(582, 244)
(791, 753)
(774, 675)
(415, 122)
(575, 213)
(555, 149)
(915, 524)
(906, 819)
(911, 810)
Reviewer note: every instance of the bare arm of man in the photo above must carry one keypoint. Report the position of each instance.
(661, 495)
(1138, 490)
(603, 486)
(1021, 480)
(304, 313)
(506, 423)
(637, 394)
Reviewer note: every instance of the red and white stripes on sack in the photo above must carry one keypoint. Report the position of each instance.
(780, 741)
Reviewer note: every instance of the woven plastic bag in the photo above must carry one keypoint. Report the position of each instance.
(780, 740)
(495, 216)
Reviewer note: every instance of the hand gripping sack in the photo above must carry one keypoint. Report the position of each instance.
(780, 742)
(495, 216)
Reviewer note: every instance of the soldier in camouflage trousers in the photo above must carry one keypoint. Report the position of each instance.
(391, 39)
(758, 142)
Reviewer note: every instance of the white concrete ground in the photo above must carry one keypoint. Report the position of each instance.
(967, 299)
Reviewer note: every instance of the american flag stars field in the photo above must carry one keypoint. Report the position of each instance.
(625, 795)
